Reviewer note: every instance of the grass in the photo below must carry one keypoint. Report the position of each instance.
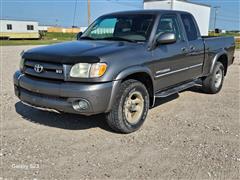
(238, 46)
(26, 42)
(224, 34)
(60, 36)
(48, 38)
(238, 43)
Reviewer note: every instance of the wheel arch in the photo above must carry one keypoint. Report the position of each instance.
(223, 58)
(142, 74)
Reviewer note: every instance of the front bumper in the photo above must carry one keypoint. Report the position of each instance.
(60, 95)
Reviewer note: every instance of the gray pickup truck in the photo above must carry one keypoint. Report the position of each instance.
(121, 64)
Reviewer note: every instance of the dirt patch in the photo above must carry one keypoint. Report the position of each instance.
(187, 136)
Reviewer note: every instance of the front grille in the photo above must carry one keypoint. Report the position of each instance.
(49, 71)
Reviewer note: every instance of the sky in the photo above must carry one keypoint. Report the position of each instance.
(61, 12)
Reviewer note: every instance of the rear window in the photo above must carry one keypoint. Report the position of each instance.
(190, 27)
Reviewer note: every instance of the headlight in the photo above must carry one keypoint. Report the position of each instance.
(85, 70)
(21, 64)
(80, 70)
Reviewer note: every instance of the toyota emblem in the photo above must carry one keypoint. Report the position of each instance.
(38, 68)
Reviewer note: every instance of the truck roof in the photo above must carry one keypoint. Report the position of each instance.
(153, 11)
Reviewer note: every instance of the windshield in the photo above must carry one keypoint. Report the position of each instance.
(121, 27)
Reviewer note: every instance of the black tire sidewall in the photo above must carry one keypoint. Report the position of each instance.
(139, 87)
(209, 82)
(218, 66)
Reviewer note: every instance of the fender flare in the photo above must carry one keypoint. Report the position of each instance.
(216, 57)
(123, 74)
(132, 70)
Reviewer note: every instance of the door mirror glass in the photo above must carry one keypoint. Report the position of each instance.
(79, 35)
(166, 38)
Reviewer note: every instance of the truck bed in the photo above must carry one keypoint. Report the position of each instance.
(216, 44)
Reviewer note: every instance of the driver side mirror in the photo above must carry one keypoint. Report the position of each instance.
(79, 35)
(166, 38)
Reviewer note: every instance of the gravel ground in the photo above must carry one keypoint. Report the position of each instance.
(191, 135)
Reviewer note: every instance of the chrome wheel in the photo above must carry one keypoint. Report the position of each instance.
(133, 107)
(218, 78)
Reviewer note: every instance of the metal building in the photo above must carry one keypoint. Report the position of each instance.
(201, 12)
(15, 29)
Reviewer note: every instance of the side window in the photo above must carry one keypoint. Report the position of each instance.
(169, 23)
(9, 27)
(190, 27)
(30, 27)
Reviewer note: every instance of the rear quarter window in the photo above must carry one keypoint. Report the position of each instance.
(190, 27)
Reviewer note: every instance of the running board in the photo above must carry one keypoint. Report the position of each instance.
(175, 90)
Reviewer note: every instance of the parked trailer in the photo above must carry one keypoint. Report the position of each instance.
(15, 29)
(201, 12)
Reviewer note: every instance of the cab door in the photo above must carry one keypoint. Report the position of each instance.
(170, 60)
(196, 45)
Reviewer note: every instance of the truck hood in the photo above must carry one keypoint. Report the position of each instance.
(75, 51)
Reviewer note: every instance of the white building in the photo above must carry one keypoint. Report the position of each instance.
(16, 29)
(43, 28)
(201, 12)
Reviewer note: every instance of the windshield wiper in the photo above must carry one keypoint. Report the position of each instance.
(87, 38)
(118, 39)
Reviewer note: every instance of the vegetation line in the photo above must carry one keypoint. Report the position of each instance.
(52, 38)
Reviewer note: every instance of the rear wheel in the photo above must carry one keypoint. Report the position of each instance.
(213, 83)
(131, 107)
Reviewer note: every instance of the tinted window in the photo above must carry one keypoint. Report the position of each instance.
(190, 27)
(104, 29)
(9, 27)
(169, 23)
(131, 27)
(30, 27)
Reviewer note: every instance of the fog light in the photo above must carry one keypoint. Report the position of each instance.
(80, 105)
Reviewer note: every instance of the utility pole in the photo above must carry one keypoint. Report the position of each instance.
(89, 12)
(74, 14)
(56, 22)
(215, 16)
(172, 4)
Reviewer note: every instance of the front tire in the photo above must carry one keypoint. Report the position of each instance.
(214, 82)
(131, 107)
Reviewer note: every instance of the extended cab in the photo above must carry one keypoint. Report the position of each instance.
(121, 64)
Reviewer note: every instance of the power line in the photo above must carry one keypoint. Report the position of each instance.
(229, 20)
(228, 17)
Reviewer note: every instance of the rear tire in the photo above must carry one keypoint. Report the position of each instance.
(131, 107)
(213, 83)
